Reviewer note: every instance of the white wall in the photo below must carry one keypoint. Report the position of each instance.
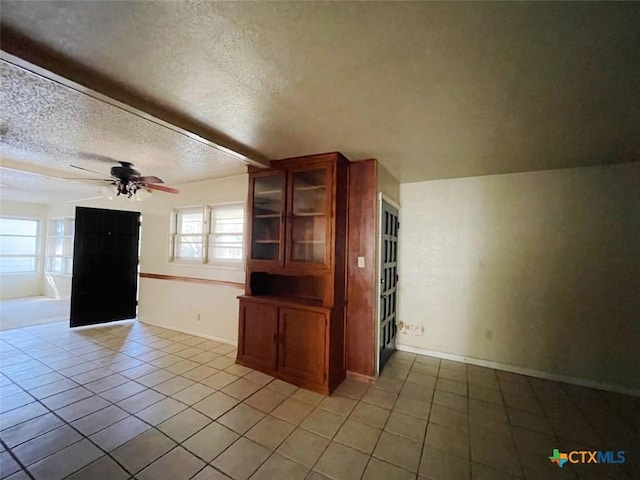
(15, 285)
(175, 304)
(538, 270)
(171, 303)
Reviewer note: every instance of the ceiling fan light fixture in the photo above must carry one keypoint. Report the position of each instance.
(127, 182)
(142, 194)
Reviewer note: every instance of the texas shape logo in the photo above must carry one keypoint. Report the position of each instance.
(559, 458)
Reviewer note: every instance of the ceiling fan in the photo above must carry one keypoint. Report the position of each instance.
(127, 180)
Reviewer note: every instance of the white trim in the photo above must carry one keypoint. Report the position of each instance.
(376, 348)
(582, 382)
(382, 196)
(236, 264)
(138, 319)
(40, 237)
(189, 332)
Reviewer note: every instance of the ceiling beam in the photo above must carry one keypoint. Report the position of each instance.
(39, 60)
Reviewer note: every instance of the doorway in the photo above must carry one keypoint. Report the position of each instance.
(104, 286)
(388, 279)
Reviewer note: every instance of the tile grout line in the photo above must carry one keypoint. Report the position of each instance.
(17, 460)
(382, 430)
(513, 436)
(65, 422)
(99, 340)
(424, 439)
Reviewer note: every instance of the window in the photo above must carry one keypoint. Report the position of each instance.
(189, 234)
(19, 245)
(226, 235)
(60, 246)
(208, 234)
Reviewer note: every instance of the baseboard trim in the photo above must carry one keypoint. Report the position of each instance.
(189, 332)
(582, 382)
(360, 377)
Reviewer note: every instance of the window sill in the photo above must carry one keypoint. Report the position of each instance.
(217, 266)
(20, 273)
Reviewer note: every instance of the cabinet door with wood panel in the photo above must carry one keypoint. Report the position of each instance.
(296, 271)
(267, 214)
(310, 216)
(303, 341)
(258, 334)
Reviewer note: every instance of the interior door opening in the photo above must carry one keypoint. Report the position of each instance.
(388, 280)
(104, 286)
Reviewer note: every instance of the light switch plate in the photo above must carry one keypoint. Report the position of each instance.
(360, 262)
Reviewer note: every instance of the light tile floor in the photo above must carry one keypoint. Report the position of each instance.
(130, 400)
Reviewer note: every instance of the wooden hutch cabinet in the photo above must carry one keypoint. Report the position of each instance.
(292, 316)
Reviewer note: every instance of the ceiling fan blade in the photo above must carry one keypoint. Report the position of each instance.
(94, 181)
(86, 169)
(150, 179)
(83, 178)
(162, 188)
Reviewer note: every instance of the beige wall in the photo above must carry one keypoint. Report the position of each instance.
(387, 184)
(15, 285)
(536, 270)
(176, 304)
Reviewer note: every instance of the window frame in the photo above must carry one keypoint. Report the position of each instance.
(175, 234)
(67, 238)
(37, 256)
(207, 235)
(230, 262)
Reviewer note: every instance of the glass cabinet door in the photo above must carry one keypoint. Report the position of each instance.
(267, 217)
(310, 215)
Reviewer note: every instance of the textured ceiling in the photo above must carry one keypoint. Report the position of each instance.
(21, 186)
(431, 89)
(47, 127)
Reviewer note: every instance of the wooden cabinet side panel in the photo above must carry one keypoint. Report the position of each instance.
(257, 345)
(337, 353)
(303, 344)
(362, 282)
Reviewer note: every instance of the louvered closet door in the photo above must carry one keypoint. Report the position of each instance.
(388, 281)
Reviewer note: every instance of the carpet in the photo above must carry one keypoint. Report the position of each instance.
(28, 311)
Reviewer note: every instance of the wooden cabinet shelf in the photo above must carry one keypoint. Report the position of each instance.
(309, 214)
(292, 315)
(268, 192)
